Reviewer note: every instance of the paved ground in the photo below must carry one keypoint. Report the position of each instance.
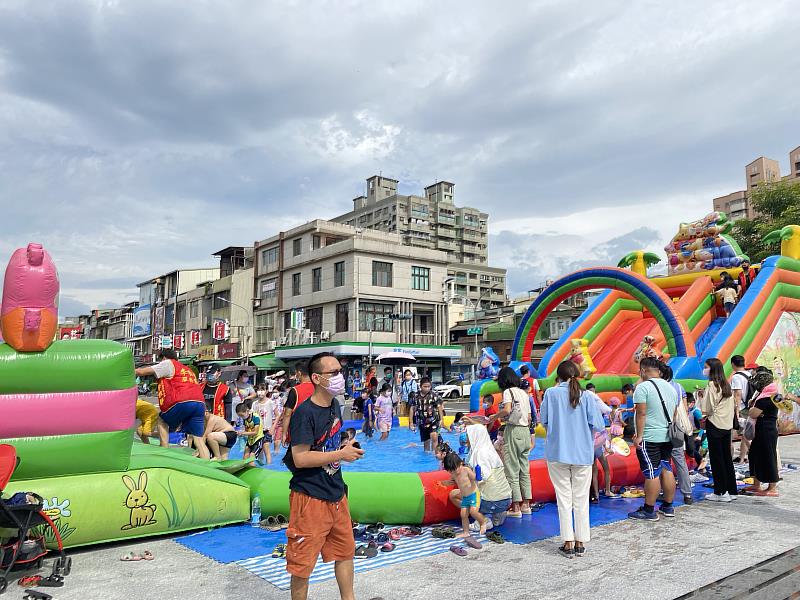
(633, 560)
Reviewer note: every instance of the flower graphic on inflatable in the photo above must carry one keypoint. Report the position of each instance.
(55, 509)
(791, 338)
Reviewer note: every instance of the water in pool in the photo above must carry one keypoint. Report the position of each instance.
(402, 452)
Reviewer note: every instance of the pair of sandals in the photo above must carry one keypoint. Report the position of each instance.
(443, 532)
(461, 550)
(370, 550)
(279, 551)
(133, 557)
(274, 523)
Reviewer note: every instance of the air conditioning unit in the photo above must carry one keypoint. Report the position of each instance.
(324, 336)
(272, 345)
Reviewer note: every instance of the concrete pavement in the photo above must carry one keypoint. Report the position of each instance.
(634, 560)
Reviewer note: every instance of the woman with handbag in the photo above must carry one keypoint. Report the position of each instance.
(762, 456)
(717, 406)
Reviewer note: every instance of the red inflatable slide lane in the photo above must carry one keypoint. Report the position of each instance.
(615, 356)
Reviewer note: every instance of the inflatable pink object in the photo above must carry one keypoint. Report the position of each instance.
(29, 314)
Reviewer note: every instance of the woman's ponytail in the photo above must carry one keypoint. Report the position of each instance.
(568, 372)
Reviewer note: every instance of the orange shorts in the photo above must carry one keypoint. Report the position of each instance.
(317, 526)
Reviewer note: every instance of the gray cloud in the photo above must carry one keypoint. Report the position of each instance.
(139, 137)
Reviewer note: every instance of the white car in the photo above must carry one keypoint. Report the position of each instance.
(455, 388)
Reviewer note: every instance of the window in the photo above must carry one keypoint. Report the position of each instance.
(222, 299)
(342, 317)
(314, 319)
(296, 284)
(316, 279)
(297, 246)
(420, 278)
(381, 273)
(264, 330)
(316, 242)
(375, 315)
(270, 256)
(338, 274)
(269, 288)
(194, 309)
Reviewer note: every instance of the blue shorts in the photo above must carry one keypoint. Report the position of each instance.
(474, 499)
(189, 417)
(654, 456)
(493, 507)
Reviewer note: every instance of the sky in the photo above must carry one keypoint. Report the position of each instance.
(140, 137)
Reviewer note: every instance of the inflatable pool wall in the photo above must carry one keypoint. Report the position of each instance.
(68, 407)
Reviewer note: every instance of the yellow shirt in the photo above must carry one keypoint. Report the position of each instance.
(147, 413)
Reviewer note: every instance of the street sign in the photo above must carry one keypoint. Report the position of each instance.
(475, 331)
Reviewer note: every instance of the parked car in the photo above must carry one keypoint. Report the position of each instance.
(453, 388)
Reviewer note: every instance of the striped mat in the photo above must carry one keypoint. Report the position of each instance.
(273, 570)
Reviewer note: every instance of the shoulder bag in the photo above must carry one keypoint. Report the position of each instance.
(676, 435)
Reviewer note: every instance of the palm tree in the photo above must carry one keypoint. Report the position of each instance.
(789, 238)
(639, 261)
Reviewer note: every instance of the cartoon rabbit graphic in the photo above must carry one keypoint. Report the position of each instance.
(141, 512)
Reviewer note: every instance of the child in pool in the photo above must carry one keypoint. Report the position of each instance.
(369, 417)
(457, 425)
(464, 478)
(383, 408)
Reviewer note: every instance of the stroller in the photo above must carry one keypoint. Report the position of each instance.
(26, 550)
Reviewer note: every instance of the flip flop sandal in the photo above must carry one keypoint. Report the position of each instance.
(395, 534)
(147, 555)
(458, 550)
(29, 581)
(442, 533)
(388, 547)
(270, 524)
(496, 537)
(536, 506)
(279, 551)
(381, 538)
(473, 543)
(414, 531)
(375, 528)
(282, 521)
(130, 557)
(366, 551)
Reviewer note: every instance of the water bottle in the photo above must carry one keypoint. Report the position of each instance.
(255, 511)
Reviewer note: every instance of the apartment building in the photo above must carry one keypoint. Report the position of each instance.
(434, 222)
(156, 314)
(738, 204)
(328, 285)
(112, 323)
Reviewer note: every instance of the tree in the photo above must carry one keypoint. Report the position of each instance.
(639, 261)
(777, 205)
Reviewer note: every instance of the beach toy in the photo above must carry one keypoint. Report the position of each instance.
(29, 315)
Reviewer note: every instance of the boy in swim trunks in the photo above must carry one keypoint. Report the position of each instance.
(147, 414)
(253, 431)
(464, 478)
(219, 435)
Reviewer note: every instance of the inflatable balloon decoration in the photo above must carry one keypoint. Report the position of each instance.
(703, 246)
(579, 354)
(29, 315)
(488, 364)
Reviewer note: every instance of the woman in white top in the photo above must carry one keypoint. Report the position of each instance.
(516, 408)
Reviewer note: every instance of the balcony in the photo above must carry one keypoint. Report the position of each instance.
(446, 232)
(446, 245)
(422, 338)
(447, 219)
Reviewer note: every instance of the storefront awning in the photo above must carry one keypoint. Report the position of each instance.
(221, 363)
(186, 360)
(268, 362)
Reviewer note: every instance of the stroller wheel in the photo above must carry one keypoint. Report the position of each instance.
(3, 584)
(67, 566)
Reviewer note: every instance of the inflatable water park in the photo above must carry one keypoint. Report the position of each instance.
(68, 406)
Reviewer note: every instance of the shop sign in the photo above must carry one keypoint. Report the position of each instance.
(227, 351)
(221, 330)
(206, 353)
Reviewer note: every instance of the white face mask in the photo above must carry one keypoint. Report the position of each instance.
(706, 372)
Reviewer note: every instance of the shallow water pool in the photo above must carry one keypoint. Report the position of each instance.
(402, 452)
